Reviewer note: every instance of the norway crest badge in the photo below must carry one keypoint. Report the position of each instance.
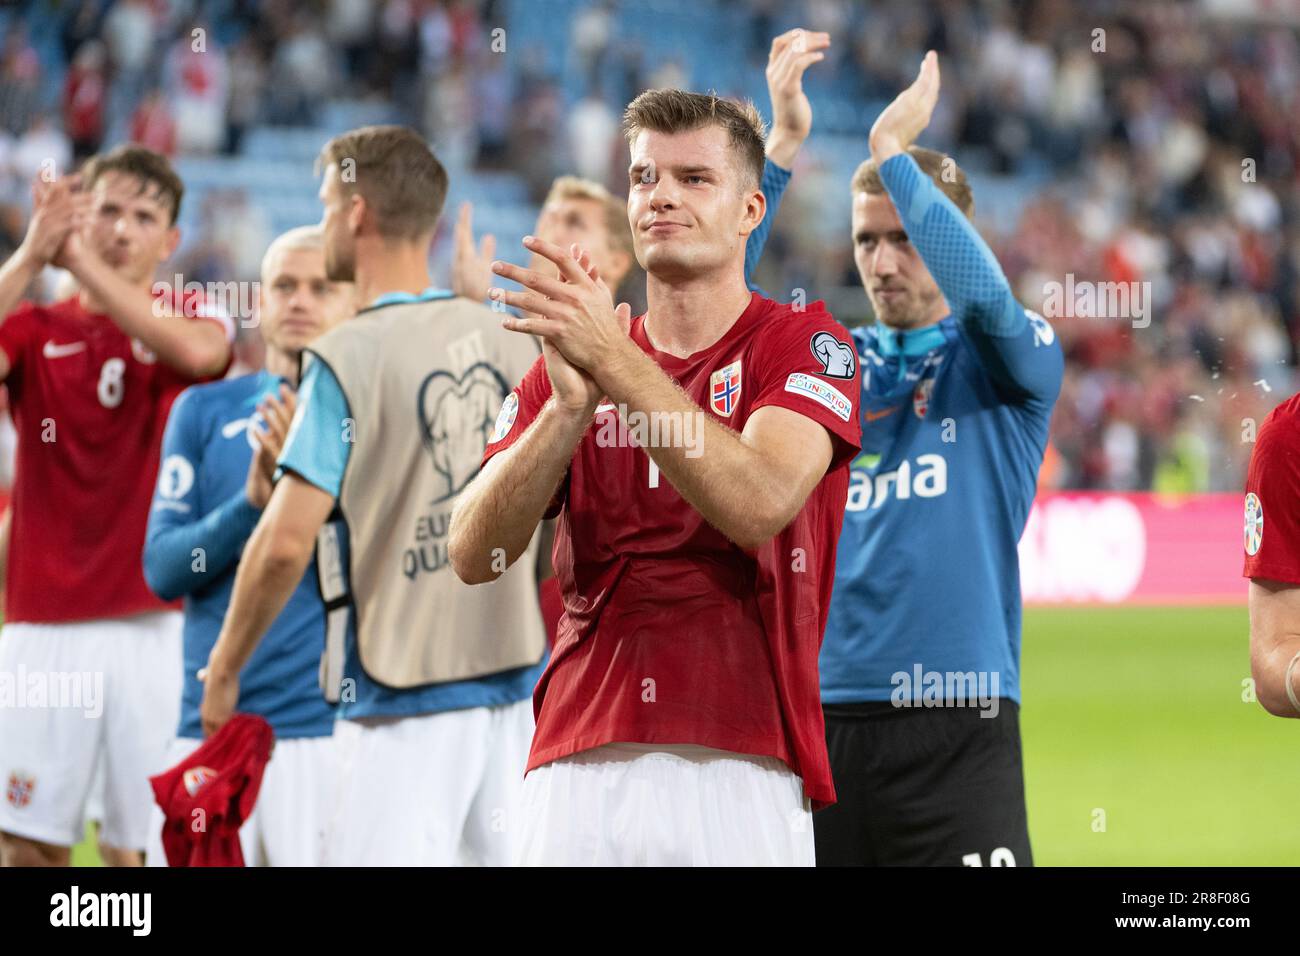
(196, 778)
(921, 397)
(724, 389)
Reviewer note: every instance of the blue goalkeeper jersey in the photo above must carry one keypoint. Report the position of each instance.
(198, 525)
(954, 426)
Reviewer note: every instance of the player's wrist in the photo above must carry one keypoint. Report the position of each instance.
(220, 668)
(884, 148)
(618, 367)
(29, 259)
(573, 413)
(783, 146)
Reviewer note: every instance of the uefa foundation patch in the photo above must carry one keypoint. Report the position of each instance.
(823, 392)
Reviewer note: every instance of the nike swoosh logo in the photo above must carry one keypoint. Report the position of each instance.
(872, 416)
(60, 351)
(607, 407)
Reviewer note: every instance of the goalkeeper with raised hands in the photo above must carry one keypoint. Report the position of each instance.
(921, 661)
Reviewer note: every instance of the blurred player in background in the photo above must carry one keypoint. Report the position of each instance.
(218, 459)
(1273, 559)
(575, 211)
(958, 386)
(91, 380)
(394, 410)
(677, 721)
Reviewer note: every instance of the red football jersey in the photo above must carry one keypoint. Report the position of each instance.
(672, 634)
(1272, 519)
(89, 405)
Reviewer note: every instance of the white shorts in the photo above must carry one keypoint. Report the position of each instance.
(653, 805)
(287, 826)
(79, 695)
(431, 790)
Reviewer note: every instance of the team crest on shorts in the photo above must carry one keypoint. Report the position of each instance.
(1254, 523)
(196, 778)
(921, 397)
(19, 791)
(724, 389)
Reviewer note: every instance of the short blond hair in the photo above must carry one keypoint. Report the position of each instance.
(299, 237)
(940, 167)
(615, 209)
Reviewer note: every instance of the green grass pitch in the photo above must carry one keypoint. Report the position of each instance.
(1139, 713)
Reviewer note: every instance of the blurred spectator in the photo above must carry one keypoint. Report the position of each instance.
(1151, 145)
(349, 25)
(130, 33)
(85, 93)
(197, 76)
(20, 75)
(301, 72)
(593, 130)
(589, 38)
(152, 124)
(247, 87)
(43, 150)
(80, 27)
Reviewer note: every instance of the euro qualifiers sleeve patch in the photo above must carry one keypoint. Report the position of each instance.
(838, 359)
(801, 383)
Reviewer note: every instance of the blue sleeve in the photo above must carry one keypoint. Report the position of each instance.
(319, 440)
(775, 179)
(184, 549)
(1018, 348)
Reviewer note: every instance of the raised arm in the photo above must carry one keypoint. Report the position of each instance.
(57, 211)
(792, 53)
(194, 349)
(1021, 355)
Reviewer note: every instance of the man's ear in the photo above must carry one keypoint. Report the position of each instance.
(173, 242)
(755, 210)
(357, 210)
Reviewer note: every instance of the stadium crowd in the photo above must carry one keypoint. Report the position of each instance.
(1133, 143)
